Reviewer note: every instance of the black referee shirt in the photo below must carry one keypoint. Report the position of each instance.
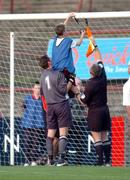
(96, 90)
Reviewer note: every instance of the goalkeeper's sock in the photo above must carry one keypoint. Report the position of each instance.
(99, 151)
(49, 146)
(107, 150)
(62, 146)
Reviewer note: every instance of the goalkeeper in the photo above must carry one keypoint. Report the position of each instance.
(95, 97)
(54, 88)
(62, 59)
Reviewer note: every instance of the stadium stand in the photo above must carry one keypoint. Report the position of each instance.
(43, 6)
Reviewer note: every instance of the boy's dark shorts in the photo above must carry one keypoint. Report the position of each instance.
(69, 75)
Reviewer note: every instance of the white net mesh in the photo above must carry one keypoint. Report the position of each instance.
(31, 41)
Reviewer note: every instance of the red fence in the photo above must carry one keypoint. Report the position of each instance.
(118, 141)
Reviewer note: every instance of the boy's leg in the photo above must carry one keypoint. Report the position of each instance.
(69, 75)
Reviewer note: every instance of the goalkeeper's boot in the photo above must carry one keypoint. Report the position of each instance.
(50, 162)
(61, 162)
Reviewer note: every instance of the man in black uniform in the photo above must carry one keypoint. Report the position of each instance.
(54, 88)
(95, 97)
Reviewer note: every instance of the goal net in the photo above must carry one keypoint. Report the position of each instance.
(32, 36)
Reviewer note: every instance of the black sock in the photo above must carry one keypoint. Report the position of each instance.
(62, 146)
(49, 146)
(107, 150)
(99, 151)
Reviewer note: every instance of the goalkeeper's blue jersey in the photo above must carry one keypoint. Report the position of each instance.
(62, 55)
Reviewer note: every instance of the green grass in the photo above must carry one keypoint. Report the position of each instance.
(64, 173)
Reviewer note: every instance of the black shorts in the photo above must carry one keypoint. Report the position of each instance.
(59, 115)
(67, 75)
(99, 119)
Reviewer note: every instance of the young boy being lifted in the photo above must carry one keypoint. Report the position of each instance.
(62, 59)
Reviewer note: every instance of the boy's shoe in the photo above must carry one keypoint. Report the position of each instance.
(61, 162)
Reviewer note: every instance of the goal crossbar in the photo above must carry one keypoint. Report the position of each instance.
(42, 16)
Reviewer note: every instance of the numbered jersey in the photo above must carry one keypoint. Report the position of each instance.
(53, 86)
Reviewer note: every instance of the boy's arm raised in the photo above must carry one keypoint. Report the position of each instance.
(68, 18)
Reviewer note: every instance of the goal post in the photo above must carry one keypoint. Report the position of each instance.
(19, 70)
(12, 98)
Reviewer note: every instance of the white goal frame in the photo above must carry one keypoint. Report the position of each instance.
(114, 14)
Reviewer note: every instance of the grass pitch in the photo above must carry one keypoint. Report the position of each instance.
(64, 173)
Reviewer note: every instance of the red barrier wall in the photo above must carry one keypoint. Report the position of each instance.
(118, 141)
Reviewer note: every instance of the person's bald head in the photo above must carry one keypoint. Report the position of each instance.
(95, 70)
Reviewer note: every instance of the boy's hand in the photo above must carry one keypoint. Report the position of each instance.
(82, 32)
(71, 15)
